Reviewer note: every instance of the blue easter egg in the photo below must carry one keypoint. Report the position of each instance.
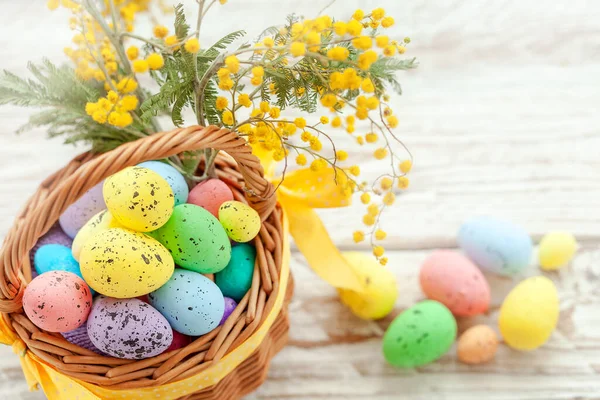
(496, 245)
(191, 303)
(235, 280)
(172, 176)
(56, 257)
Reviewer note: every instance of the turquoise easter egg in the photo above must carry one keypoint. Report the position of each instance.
(191, 303)
(196, 239)
(496, 245)
(235, 280)
(173, 178)
(419, 335)
(55, 257)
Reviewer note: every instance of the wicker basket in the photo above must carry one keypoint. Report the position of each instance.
(262, 311)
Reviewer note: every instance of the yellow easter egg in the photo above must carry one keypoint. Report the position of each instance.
(529, 313)
(556, 250)
(99, 222)
(139, 198)
(241, 222)
(379, 287)
(122, 263)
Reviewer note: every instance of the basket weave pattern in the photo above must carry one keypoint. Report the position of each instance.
(244, 174)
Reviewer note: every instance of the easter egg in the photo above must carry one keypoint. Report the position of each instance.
(139, 198)
(230, 305)
(496, 245)
(419, 335)
(195, 239)
(379, 287)
(191, 303)
(128, 328)
(210, 194)
(173, 178)
(453, 280)
(99, 222)
(556, 250)
(55, 257)
(179, 340)
(241, 222)
(57, 301)
(54, 236)
(235, 280)
(122, 263)
(78, 213)
(477, 345)
(529, 313)
(81, 338)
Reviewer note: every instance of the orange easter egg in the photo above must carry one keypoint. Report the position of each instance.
(477, 345)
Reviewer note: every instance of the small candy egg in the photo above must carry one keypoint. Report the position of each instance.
(121, 263)
(54, 236)
(241, 222)
(179, 340)
(78, 213)
(196, 239)
(477, 345)
(419, 335)
(172, 176)
(210, 194)
(235, 280)
(496, 245)
(529, 313)
(139, 198)
(230, 305)
(556, 250)
(81, 338)
(57, 301)
(128, 328)
(379, 287)
(453, 280)
(99, 222)
(191, 303)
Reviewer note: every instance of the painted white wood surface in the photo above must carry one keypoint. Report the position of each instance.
(502, 118)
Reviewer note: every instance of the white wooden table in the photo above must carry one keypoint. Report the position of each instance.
(502, 117)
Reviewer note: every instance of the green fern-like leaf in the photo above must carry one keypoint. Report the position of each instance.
(181, 26)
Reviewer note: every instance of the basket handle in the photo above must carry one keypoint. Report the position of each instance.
(39, 216)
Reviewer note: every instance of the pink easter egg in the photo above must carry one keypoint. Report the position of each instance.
(179, 340)
(57, 301)
(210, 194)
(453, 280)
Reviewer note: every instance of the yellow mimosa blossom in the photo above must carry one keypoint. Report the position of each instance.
(403, 182)
(232, 63)
(324, 119)
(160, 31)
(192, 45)
(268, 42)
(221, 103)
(336, 122)
(244, 100)
(129, 103)
(227, 117)
(362, 42)
(368, 220)
(380, 234)
(171, 40)
(340, 28)
(386, 183)
(378, 251)
(365, 198)
(338, 53)
(354, 28)
(301, 159)
(155, 61)
(405, 166)
(371, 137)
(358, 14)
(358, 236)
(389, 198)
(387, 22)
(341, 155)
(132, 52)
(381, 41)
(140, 66)
(354, 170)
(298, 49)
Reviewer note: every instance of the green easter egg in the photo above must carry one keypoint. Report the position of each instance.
(196, 239)
(235, 280)
(419, 335)
(241, 221)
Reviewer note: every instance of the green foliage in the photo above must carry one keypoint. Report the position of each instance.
(181, 26)
(384, 71)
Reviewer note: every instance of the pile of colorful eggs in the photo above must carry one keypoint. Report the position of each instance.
(141, 265)
(456, 287)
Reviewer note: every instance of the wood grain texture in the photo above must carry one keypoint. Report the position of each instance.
(501, 117)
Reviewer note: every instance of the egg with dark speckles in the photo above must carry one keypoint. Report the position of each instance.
(121, 263)
(128, 328)
(57, 301)
(191, 303)
(78, 213)
(99, 222)
(55, 257)
(172, 176)
(139, 198)
(210, 194)
(235, 280)
(241, 222)
(196, 239)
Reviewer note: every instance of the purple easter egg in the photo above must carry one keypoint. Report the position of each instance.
(230, 305)
(128, 328)
(78, 213)
(54, 236)
(80, 337)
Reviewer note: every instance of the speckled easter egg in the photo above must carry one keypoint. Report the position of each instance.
(191, 303)
(139, 198)
(196, 239)
(230, 305)
(172, 176)
(241, 222)
(419, 335)
(81, 338)
(477, 345)
(529, 313)
(57, 301)
(99, 222)
(78, 213)
(378, 284)
(210, 194)
(453, 280)
(54, 236)
(128, 328)
(235, 280)
(496, 245)
(556, 250)
(122, 263)
(179, 340)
